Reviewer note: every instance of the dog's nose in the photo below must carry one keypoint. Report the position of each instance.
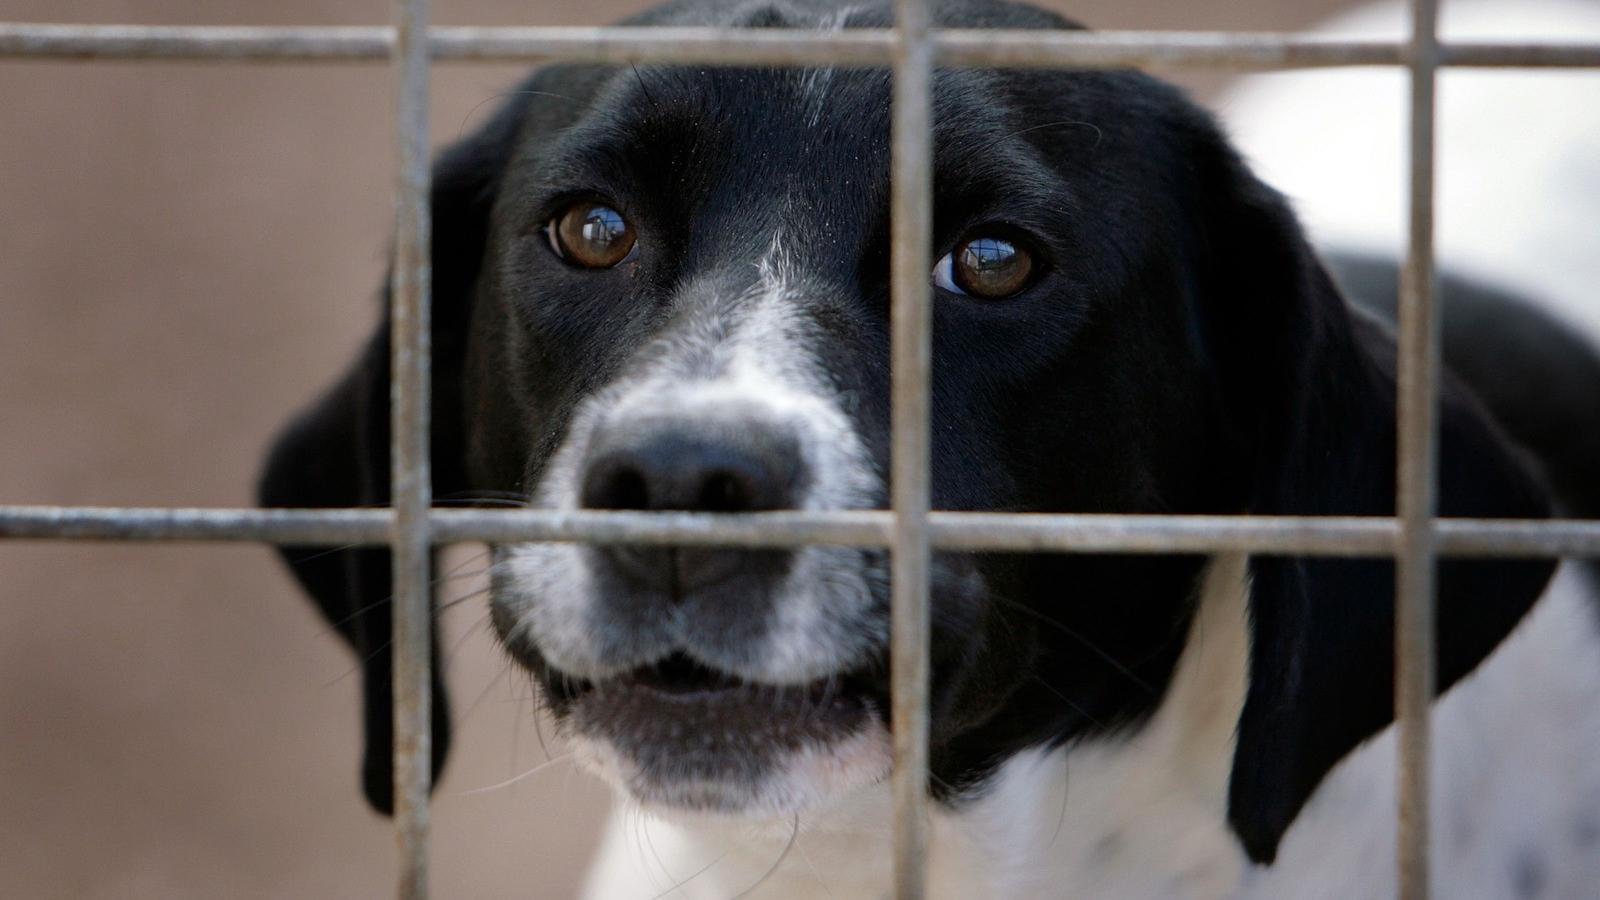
(723, 466)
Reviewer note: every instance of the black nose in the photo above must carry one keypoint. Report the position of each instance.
(729, 465)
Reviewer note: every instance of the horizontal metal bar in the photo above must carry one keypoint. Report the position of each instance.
(718, 46)
(747, 46)
(1500, 537)
(186, 42)
(1004, 532)
(374, 44)
(1147, 49)
(1162, 534)
(1528, 55)
(273, 526)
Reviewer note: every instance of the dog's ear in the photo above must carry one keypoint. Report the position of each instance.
(1311, 387)
(336, 454)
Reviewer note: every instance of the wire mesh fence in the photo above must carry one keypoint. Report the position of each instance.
(912, 49)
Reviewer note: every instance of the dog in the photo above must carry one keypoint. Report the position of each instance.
(665, 288)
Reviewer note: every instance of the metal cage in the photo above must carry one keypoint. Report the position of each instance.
(1414, 537)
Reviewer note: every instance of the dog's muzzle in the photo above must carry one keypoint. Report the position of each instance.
(699, 677)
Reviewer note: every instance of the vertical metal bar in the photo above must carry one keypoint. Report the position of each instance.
(411, 481)
(911, 221)
(1417, 490)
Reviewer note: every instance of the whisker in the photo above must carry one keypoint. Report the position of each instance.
(454, 602)
(1065, 123)
(697, 873)
(944, 784)
(453, 575)
(367, 660)
(794, 835)
(450, 658)
(815, 872)
(516, 721)
(565, 757)
(538, 714)
(483, 496)
(462, 128)
(650, 844)
(1068, 701)
(326, 551)
(1066, 787)
(645, 90)
(1081, 639)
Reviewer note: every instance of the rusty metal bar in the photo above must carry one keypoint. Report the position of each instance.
(911, 251)
(718, 46)
(990, 532)
(1417, 468)
(411, 479)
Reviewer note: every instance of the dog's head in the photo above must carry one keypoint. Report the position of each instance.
(665, 288)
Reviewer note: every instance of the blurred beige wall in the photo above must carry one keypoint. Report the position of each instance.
(187, 253)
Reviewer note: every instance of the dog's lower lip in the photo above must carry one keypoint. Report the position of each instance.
(681, 723)
(679, 679)
(684, 736)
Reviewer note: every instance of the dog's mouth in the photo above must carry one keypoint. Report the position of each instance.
(680, 734)
(680, 677)
(681, 689)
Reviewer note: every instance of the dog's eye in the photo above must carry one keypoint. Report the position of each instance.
(591, 235)
(985, 266)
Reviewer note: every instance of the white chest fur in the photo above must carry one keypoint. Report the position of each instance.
(1516, 789)
(1079, 821)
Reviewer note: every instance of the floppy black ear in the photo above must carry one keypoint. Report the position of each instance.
(1312, 386)
(336, 454)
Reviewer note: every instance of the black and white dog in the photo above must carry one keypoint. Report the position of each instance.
(666, 288)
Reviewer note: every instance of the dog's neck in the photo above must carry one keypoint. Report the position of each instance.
(1088, 819)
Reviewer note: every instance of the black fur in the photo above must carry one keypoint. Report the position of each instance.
(336, 454)
(1527, 366)
(1183, 352)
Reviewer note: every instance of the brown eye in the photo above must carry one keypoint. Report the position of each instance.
(987, 267)
(591, 235)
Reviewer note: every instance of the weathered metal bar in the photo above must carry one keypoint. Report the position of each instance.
(1527, 55)
(411, 481)
(1417, 469)
(997, 532)
(306, 527)
(990, 532)
(491, 45)
(1526, 539)
(1153, 49)
(911, 327)
(715, 46)
(125, 43)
